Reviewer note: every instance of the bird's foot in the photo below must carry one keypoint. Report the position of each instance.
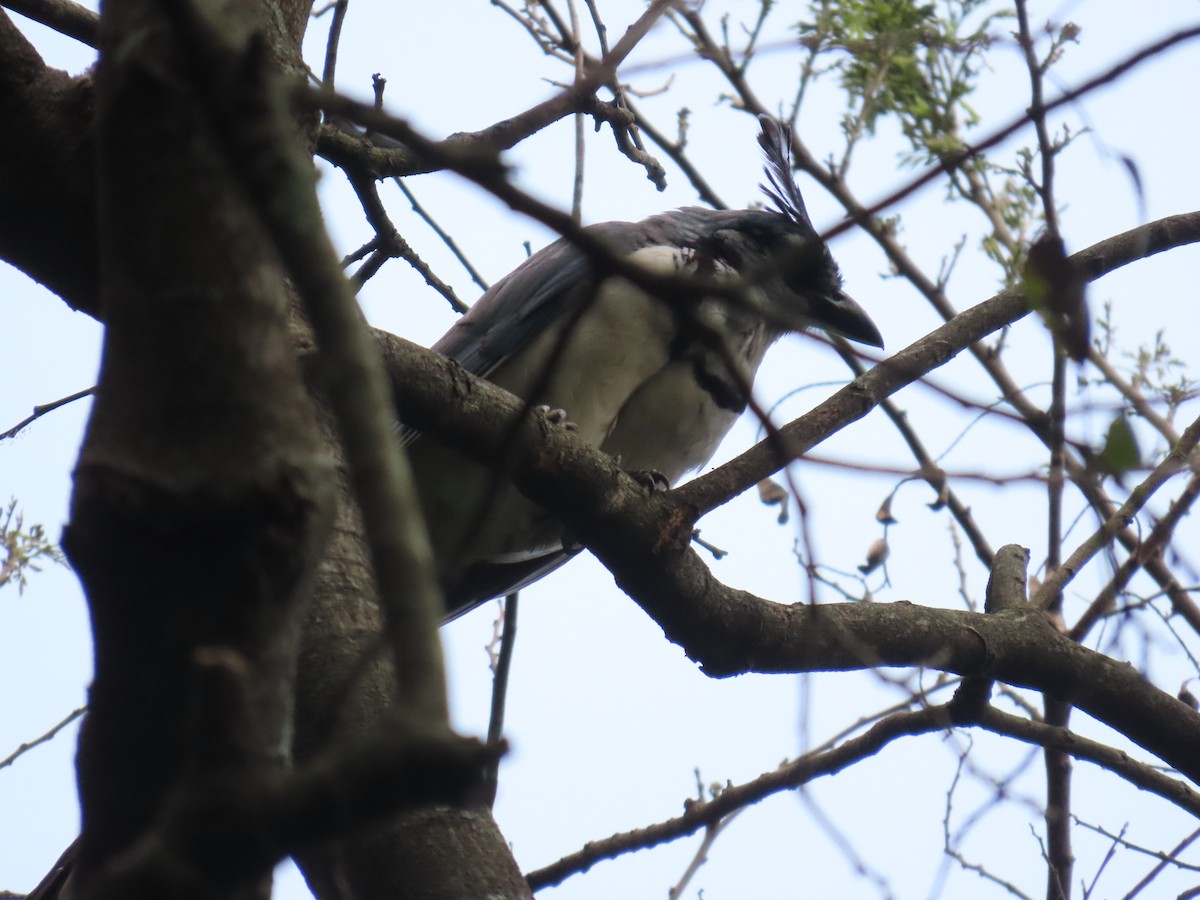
(556, 417)
(653, 480)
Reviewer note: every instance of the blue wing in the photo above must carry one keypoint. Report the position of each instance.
(524, 303)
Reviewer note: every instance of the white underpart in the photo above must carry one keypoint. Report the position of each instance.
(616, 381)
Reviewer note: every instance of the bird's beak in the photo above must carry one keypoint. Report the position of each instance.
(839, 314)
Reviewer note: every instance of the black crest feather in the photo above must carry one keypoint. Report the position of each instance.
(776, 143)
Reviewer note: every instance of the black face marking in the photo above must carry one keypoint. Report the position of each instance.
(724, 391)
(708, 366)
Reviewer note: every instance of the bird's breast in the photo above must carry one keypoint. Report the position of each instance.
(670, 424)
(609, 340)
(616, 361)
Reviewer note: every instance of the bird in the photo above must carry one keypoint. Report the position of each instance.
(639, 378)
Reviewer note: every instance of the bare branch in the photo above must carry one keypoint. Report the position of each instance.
(963, 332)
(501, 666)
(446, 239)
(335, 38)
(43, 409)
(343, 149)
(389, 243)
(49, 735)
(706, 814)
(63, 16)
(1176, 461)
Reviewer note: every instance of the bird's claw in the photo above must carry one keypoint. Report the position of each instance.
(653, 480)
(556, 417)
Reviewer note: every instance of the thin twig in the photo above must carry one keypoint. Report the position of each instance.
(703, 814)
(675, 150)
(389, 243)
(1132, 394)
(1162, 864)
(1035, 418)
(1174, 462)
(827, 762)
(49, 735)
(700, 857)
(446, 239)
(1058, 461)
(335, 37)
(577, 185)
(1037, 114)
(39, 411)
(932, 473)
(959, 158)
(501, 666)
(1162, 532)
(1137, 848)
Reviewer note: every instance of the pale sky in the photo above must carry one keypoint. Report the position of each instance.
(608, 722)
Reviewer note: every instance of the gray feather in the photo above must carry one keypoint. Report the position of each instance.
(523, 303)
(640, 379)
(776, 142)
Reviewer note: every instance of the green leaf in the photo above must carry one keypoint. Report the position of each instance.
(1120, 452)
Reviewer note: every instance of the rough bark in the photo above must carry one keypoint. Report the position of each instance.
(47, 190)
(346, 689)
(201, 500)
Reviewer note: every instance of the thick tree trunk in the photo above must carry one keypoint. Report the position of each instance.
(202, 503)
(201, 500)
(346, 690)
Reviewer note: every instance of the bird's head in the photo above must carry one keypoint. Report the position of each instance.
(780, 251)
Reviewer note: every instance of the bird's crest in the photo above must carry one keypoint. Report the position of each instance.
(776, 143)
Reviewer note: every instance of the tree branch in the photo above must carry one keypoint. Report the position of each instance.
(245, 102)
(47, 172)
(705, 814)
(63, 16)
(962, 332)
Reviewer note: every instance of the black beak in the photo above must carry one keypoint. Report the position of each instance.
(840, 315)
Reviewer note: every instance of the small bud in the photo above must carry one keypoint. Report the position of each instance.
(876, 557)
(772, 494)
(884, 515)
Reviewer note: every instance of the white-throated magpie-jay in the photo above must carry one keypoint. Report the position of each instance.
(639, 378)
